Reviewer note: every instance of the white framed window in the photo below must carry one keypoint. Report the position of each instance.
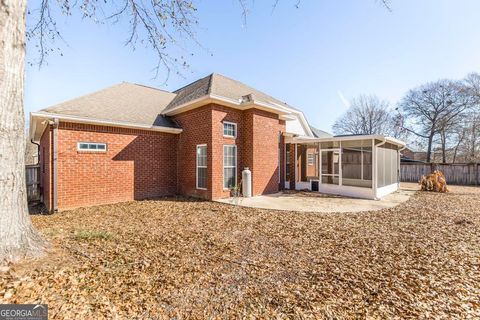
(229, 129)
(201, 166)
(311, 159)
(92, 146)
(229, 166)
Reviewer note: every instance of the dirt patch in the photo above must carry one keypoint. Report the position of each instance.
(192, 259)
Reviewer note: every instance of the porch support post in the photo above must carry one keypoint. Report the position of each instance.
(293, 165)
(374, 169)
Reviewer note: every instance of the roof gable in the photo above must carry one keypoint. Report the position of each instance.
(218, 85)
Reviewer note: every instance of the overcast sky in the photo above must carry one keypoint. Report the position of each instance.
(315, 57)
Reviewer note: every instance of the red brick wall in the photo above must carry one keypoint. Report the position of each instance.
(142, 164)
(137, 165)
(257, 148)
(262, 132)
(45, 167)
(196, 125)
(312, 170)
(219, 115)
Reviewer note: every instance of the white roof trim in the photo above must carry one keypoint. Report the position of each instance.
(77, 119)
(304, 139)
(229, 102)
(268, 106)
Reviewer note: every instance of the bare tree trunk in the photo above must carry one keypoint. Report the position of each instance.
(17, 236)
(443, 139)
(429, 148)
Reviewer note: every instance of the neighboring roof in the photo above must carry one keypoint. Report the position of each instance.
(317, 133)
(219, 85)
(125, 102)
(407, 159)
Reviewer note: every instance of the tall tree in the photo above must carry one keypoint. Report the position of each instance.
(432, 108)
(17, 236)
(368, 114)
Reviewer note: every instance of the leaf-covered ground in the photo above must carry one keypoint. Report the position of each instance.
(191, 259)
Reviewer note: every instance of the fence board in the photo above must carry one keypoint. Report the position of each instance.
(32, 177)
(461, 174)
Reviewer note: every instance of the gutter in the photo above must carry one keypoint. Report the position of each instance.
(121, 124)
(38, 150)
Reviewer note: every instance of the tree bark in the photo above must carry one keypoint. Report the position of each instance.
(444, 147)
(18, 239)
(429, 148)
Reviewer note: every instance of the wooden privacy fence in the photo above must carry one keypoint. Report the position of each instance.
(461, 174)
(32, 176)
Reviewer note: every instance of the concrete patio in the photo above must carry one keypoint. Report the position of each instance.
(318, 202)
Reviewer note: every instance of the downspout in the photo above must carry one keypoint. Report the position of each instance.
(375, 162)
(38, 150)
(55, 164)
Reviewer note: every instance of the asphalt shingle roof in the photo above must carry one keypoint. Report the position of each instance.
(320, 133)
(219, 85)
(134, 103)
(125, 102)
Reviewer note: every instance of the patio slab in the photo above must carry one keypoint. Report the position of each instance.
(318, 202)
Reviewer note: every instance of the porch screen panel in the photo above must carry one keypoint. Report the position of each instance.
(367, 163)
(330, 167)
(380, 166)
(387, 165)
(357, 163)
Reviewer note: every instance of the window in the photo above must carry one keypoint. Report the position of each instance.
(90, 146)
(202, 166)
(230, 129)
(311, 159)
(229, 166)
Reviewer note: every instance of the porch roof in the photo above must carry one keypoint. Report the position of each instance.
(305, 139)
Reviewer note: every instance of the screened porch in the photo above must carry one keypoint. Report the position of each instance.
(356, 166)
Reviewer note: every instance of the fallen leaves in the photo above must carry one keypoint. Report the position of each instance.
(195, 259)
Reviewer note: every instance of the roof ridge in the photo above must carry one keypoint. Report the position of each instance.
(150, 87)
(210, 83)
(191, 83)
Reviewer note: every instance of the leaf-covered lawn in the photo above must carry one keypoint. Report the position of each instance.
(191, 259)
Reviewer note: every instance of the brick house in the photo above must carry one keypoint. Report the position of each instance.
(130, 142)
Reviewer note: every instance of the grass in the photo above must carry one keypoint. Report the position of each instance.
(92, 235)
(181, 258)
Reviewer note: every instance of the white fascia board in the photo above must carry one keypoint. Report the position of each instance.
(121, 124)
(288, 117)
(303, 119)
(236, 104)
(304, 139)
